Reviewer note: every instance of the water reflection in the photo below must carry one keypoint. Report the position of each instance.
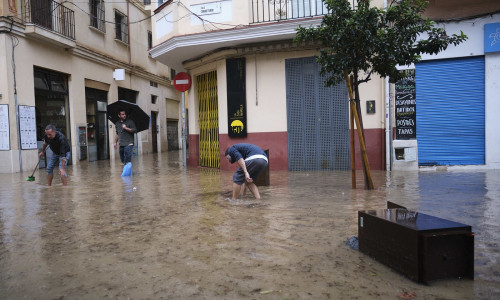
(168, 231)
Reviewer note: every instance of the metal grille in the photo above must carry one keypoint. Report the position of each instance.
(97, 14)
(50, 15)
(279, 10)
(173, 135)
(121, 27)
(208, 120)
(318, 124)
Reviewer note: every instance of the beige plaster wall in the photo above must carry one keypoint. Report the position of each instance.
(30, 53)
(266, 93)
(239, 15)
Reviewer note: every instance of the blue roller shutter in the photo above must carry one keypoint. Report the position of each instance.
(450, 111)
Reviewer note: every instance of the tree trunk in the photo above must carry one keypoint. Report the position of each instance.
(366, 166)
(356, 109)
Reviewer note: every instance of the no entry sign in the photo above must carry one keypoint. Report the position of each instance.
(182, 81)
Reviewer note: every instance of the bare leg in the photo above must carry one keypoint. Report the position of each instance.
(64, 180)
(242, 191)
(236, 190)
(49, 179)
(254, 189)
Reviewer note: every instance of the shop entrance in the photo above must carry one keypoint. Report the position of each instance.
(97, 129)
(208, 119)
(51, 105)
(317, 119)
(154, 132)
(173, 134)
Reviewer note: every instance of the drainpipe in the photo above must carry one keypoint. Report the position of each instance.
(16, 106)
(256, 88)
(388, 129)
(128, 33)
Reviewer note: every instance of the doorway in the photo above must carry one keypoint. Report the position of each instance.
(317, 119)
(208, 120)
(97, 121)
(51, 105)
(154, 131)
(173, 134)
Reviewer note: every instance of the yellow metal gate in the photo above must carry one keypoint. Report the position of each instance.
(208, 120)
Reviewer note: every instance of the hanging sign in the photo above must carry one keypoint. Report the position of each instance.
(4, 127)
(27, 127)
(406, 109)
(492, 37)
(236, 97)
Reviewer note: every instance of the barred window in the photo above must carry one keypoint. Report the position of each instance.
(97, 17)
(121, 27)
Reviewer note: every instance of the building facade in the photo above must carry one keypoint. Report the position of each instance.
(63, 62)
(253, 84)
(456, 94)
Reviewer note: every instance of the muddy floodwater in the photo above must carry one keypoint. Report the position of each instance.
(168, 232)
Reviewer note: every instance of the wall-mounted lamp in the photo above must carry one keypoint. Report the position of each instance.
(119, 74)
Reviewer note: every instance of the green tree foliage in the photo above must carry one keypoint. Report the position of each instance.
(374, 40)
(368, 40)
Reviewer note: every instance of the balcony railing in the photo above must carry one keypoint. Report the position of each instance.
(280, 10)
(51, 15)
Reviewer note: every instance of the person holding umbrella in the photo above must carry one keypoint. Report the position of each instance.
(125, 129)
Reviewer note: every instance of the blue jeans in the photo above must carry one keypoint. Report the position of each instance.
(56, 159)
(126, 153)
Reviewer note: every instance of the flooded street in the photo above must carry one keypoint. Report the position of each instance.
(169, 233)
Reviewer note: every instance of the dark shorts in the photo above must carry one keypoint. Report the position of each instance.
(255, 167)
(56, 159)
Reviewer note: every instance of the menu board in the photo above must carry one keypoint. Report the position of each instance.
(27, 127)
(4, 127)
(406, 108)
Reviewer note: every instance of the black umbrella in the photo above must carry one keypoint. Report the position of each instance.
(134, 112)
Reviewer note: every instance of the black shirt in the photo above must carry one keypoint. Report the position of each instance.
(59, 144)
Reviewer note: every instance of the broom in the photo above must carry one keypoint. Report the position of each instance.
(32, 178)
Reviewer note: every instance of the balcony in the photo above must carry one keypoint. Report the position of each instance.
(49, 20)
(281, 10)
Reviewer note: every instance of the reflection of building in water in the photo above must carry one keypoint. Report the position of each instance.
(403, 215)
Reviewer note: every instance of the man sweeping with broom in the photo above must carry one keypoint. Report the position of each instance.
(60, 147)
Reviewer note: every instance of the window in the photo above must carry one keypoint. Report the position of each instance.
(153, 84)
(121, 27)
(127, 95)
(146, 2)
(172, 74)
(97, 14)
(153, 99)
(150, 39)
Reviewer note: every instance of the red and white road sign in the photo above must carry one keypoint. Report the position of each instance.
(182, 81)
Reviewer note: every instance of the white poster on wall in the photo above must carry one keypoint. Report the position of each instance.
(4, 127)
(27, 127)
